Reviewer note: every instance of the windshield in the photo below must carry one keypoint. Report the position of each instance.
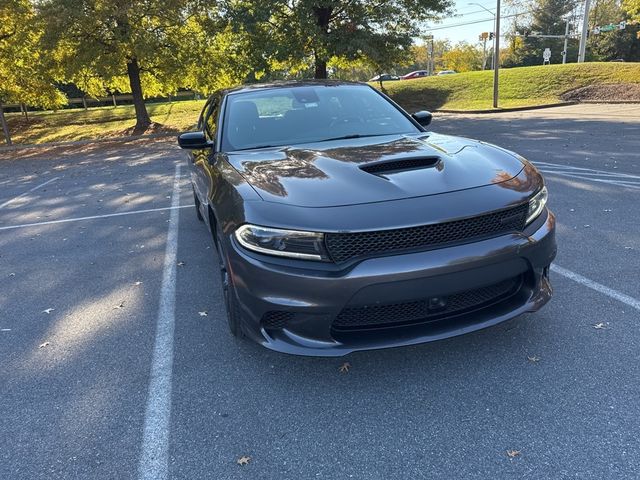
(289, 116)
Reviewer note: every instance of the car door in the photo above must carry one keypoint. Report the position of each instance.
(202, 173)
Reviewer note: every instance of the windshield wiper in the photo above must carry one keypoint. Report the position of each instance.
(255, 148)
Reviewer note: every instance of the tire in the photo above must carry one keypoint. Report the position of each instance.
(197, 203)
(232, 306)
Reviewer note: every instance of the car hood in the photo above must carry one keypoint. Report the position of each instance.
(373, 169)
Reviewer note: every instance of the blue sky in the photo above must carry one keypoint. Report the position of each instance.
(465, 13)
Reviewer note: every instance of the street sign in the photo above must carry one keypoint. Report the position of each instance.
(546, 56)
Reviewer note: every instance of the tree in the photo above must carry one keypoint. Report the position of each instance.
(632, 7)
(464, 57)
(616, 44)
(309, 33)
(547, 18)
(140, 40)
(24, 72)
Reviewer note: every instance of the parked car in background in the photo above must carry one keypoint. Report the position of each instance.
(342, 224)
(416, 74)
(384, 77)
(446, 72)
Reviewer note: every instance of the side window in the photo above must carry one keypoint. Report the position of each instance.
(211, 119)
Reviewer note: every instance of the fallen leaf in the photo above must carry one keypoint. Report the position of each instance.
(45, 344)
(137, 283)
(600, 326)
(181, 264)
(117, 307)
(533, 359)
(344, 368)
(203, 314)
(48, 310)
(12, 274)
(513, 453)
(244, 460)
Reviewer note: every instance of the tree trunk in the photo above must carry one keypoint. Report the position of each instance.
(5, 127)
(321, 68)
(84, 102)
(323, 18)
(142, 117)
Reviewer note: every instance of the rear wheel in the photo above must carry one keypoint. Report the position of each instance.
(197, 203)
(231, 303)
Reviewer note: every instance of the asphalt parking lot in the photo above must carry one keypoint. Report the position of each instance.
(116, 362)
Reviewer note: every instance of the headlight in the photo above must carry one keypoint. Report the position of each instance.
(536, 205)
(283, 243)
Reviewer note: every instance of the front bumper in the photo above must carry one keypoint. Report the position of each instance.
(309, 300)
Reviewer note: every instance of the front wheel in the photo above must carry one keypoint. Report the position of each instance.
(231, 303)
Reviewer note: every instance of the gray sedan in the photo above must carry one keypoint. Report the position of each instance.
(342, 224)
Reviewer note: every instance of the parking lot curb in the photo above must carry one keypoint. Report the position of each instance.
(508, 109)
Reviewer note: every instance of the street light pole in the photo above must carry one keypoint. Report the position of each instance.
(496, 56)
(566, 42)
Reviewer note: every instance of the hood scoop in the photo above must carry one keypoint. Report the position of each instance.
(402, 165)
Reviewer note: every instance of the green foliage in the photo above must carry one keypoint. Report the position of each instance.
(548, 18)
(464, 57)
(632, 7)
(25, 76)
(304, 35)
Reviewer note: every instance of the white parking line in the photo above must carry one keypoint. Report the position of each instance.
(589, 174)
(154, 459)
(93, 217)
(28, 192)
(598, 287)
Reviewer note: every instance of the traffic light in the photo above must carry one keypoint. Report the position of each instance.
(491, 35)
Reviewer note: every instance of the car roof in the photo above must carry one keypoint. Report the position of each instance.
(252, 87)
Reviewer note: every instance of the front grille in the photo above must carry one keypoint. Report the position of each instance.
(429, 309)
(346, 246)
(276, 319)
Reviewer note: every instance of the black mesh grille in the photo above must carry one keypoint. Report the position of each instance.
(399, 165)
(276, 319)
(407, 313)
(346, 246)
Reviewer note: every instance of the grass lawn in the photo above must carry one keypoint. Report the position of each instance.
(99, 122)
(519, 87)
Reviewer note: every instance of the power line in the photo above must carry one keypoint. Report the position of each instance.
(443, 27)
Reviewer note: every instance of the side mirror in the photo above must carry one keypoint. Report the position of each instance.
(194, 141)
(423, 117)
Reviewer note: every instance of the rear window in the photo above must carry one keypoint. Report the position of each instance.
(290, 116)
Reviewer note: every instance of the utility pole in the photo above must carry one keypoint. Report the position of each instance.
(566, 42)
(430, 62)
(496, 49)
(496, 56)
(585, 30)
